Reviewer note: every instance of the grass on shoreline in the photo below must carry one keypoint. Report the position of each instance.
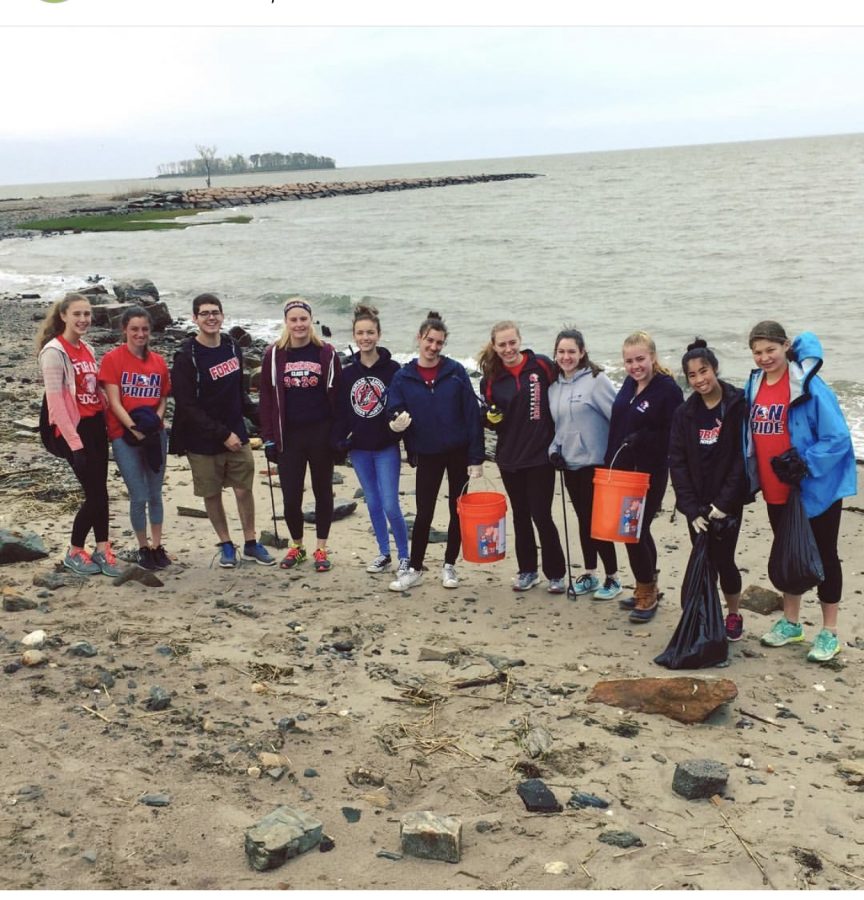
(152, 220)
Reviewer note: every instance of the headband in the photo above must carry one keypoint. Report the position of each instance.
(293, 304)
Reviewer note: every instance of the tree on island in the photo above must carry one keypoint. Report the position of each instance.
(207, 164)
(208, 155)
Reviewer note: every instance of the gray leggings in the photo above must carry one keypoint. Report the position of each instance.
(144, 485)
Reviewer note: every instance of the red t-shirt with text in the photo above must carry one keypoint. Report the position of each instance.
(769, 425)
(86, 391)
(142, 382)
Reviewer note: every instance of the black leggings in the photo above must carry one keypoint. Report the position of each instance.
(826, 529)
(307, 444)
(580, 487)
(643, 556)
(430, 473)
(94, 510)
(531, 491)
(722, 556)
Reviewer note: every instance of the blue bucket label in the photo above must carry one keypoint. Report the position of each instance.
(492, 538)
(630, 517)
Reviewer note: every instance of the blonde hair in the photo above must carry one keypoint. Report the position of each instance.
(53, 324)
(645, 339)
(488, 360)
(284, 339)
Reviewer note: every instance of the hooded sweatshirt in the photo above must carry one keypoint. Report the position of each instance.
(361, 419)
(817, 429)
(581, 408)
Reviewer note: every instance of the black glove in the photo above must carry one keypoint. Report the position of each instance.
(271, 452)
(789, 467)
(557, 460)
(79, 464)
(412, 460)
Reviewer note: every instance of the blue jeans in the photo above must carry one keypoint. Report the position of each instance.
(378, 471)
(144, 485)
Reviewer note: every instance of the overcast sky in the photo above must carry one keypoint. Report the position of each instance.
(88, 103)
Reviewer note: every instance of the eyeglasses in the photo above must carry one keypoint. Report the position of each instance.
(210, 314)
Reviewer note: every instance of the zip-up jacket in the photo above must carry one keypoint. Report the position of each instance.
(445, 415)
(189, 417)
(581, 409)
(362, 421)
(726, 486)
(817, 430)
(526, 429)
(272, 392)
(58, 376)
(644, 420)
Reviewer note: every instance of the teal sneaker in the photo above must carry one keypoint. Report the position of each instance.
(585, 584)
(610, 590)
(783, 632)
(825, 647)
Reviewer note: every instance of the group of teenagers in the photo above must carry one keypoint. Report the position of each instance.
(558, 414)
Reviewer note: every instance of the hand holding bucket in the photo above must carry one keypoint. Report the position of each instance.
(619, 504)
(482, 519)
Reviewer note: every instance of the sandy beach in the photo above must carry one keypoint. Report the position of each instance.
(240, 650)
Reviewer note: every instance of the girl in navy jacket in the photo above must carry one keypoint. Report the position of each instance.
(432, 399)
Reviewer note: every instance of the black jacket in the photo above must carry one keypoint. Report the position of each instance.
(727, 486)
(361, 419)
(189, 417)
(527, 429)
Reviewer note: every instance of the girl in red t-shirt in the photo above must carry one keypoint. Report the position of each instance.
(137, 384)
(76, 410)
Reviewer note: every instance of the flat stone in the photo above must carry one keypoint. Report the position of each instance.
(20, 546)
(159, 699)
(191, 512)
(581, 800)
(82, 648)
(537, 742)
(29, 424)
(280, 836)
(761, 600)
(351, 814)
(340, 511)
(269, 539)
(623, 839)
(15, 602)
(142, 576)
(429, 836)
(90, 856)
(155, 799)
(55, 580)
(537, 797)
(338, 478)
(697, 778)
(685, 699)
(388, 854)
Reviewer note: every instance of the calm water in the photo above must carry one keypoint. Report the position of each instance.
(678, 241)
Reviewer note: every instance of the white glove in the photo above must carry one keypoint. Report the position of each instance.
(401, 422)
(475, 471)
(700, 524)
(716, 513)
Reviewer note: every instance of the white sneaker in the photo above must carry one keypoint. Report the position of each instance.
(448, 576)
(406, 580)
(379, 564)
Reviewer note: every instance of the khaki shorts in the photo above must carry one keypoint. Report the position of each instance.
(212, 473)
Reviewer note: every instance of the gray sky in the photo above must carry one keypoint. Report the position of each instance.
(114, 102)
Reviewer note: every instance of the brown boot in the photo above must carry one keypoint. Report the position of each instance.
(646, 601)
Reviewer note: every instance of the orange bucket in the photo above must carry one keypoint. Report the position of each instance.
(619, 505)
(482, 519)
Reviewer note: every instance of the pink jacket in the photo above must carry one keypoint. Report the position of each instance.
(58, 377)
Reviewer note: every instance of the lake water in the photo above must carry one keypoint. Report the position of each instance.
(678, 241)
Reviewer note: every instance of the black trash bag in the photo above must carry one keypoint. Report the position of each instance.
(53, 443)
(700, 638)
(795, 565)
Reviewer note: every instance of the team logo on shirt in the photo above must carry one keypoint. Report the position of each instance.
(709, 436)
(134, 384)
(88, 369)
(301, 374)
(225, 368)
(768, 419)
(533, 396)
(366, 394)
(643, 406)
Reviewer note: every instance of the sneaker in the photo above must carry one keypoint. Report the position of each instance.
(160, 557)
(296, 554)
(322, 564)
(734, 627)
(80, 563)
(783, 632)
(258, 552)
(825, 647)
(585, 584)
(610, 590)
(524, 581)
(228, 555)
(380, 564)
(404, 566)
(449, 579)
(406, 579)
(556, 586)
(144, 558)
(107, 562)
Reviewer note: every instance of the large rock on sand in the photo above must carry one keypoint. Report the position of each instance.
(684, 699)
(20, 546)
